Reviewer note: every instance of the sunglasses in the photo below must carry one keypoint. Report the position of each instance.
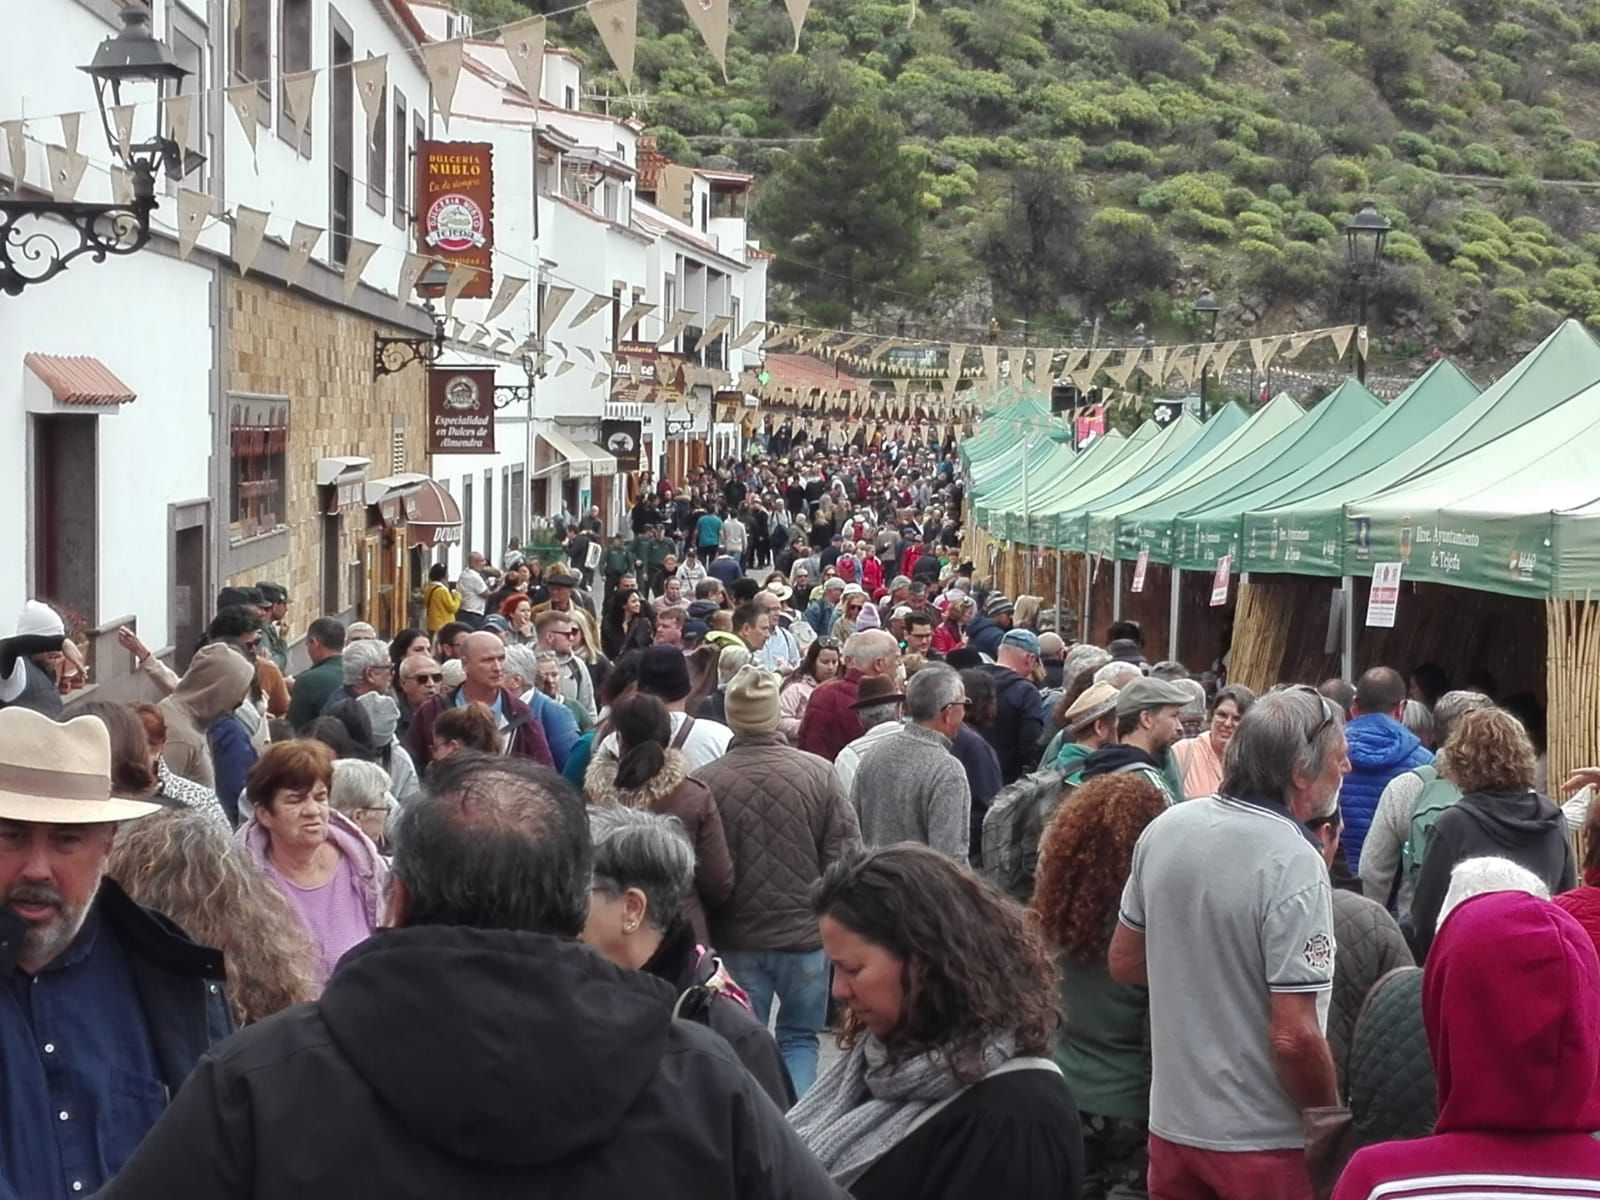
(429, 677)
(1328, 718)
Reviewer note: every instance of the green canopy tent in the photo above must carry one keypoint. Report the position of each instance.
(1202, 522)
(1150, 445)
(1012, 523)
(1019, 410)
(1034, 463)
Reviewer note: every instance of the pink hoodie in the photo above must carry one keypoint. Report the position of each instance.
(1511, 1003)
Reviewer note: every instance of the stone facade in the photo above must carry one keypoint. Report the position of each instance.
(284, 342)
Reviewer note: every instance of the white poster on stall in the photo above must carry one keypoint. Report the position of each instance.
(1385, 596)
(1140, 566)
(1224, 577)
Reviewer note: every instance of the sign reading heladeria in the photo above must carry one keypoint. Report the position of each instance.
(461, 410)
(455, 209)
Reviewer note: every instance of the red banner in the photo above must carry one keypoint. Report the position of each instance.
(461, 410)
(455, 208)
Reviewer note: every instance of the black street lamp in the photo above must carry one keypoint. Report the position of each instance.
(1208, 310)
(32, 254)
(1364, 235)
(391, 355)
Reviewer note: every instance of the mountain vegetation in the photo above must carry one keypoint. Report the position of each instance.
(1047, 162)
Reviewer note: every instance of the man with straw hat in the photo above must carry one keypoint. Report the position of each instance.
(105, 1006)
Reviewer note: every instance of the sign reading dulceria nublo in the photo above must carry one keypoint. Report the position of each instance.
(461, 410)
(455, 209)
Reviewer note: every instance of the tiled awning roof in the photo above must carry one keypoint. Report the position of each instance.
(78, 379)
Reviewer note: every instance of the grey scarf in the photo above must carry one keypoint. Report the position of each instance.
(861, 1108)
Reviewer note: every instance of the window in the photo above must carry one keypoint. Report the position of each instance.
(467, 544)
(252, 43)
(571, 99)
(378, 156)
(294, 56)
(401, 160)
(258, 442)
(705, 213)
(341, 117)
(419, 134)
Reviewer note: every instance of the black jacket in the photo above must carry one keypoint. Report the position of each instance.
(1522, 826)
(446, 1061)
(1017, 731)
(1013, 1136)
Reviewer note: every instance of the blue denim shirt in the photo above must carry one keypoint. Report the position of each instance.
(79, 1082)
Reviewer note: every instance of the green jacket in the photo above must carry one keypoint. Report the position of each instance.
(312, 688)
(1069, 759)
(656, 551)
(619, 560)
(272, 642)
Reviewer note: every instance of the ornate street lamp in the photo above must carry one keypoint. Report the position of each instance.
(391, 355)
(1364, 235)
(1208, 310)
(38, 250)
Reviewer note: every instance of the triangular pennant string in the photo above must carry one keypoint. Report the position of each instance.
(524, 43)
(510, 288)
(442, 62)
(617, 22)
(249, 226)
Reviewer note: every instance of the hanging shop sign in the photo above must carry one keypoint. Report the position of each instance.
(461, 410)
(455, 209)
(622, 439)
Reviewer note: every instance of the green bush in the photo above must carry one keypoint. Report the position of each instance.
(1193, 224)
(1480, 159)
(1192, 191)
(1583, 61)
(1402, 248)
(1512, 37)
(1311, 227)
(1122, 155)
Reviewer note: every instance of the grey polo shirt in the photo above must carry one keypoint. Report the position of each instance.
(1234, 904)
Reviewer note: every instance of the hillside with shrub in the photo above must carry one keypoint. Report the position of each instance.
(1046, 162)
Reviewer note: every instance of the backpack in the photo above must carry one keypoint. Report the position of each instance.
(1013, 827)
(1437, 795)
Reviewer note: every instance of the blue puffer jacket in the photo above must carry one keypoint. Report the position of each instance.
(1380, 749)
(984, 634)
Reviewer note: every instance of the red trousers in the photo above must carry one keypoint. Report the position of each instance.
(1185, 1173)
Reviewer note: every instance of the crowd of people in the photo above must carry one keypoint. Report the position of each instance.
(772, 851)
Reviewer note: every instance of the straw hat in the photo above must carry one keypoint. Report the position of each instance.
(59, 773)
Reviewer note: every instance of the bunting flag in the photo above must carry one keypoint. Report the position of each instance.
(122, 122)
(1156, 369)
(1096, 360)
(371, 77)
(797, 17)
(193, 209)
(460, 275)
(588, 354)
(66, 172)
(593, 305)
(510, 288)
(70, 123)
(747, 334)
(299, 94)
(617, 23)
(850, 343)
(953, 362)
(410, 271)
(249, 227)
(1119, 373)
(600, 381)
(524, 43)
(717, 327)
(302, 240)
(442, 62)
(121, 185)
(991, 362)
(680, 322)
(1261, 351)
(180, 114)
(1340, 339)
(245, 101)
(555, 299)
(1186, 365)
(16, 150)
(882, 348)
(356, 259)
(1361, 341)
(566, 365)
(781, 336)
(1296, 343)
(1222, 355)
(633, 316)
(710, 17)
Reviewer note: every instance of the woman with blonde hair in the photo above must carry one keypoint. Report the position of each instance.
(1490, 758)
(1026, 615)
(182, 863)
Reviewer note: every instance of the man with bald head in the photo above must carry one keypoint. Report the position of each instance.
(483, 655)
(830, 722)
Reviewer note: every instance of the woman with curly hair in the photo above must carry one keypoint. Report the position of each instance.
(945, 1089)
(1489, 756)
(1084, 860)
(183, 863)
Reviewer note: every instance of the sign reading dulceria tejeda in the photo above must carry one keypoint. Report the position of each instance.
(455, 209)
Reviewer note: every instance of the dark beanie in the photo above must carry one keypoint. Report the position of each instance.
(664, 674)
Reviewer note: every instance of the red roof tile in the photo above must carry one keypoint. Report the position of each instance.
(78, 379)
(804, 372)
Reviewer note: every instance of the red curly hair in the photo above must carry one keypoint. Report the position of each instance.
(1084, 860)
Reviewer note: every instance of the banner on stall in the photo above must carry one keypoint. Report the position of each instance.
(461, 410)
(455, 209)
(1384, 599)
(1140, 566)
(1219, 585)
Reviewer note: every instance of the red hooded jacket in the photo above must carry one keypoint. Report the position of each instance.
(1511, 1003)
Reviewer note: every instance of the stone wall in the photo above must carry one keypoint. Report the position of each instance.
(282, 342)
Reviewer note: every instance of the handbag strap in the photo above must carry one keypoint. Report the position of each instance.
(682, 735)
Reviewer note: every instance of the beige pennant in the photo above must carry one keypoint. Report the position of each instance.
(1097, 360)
(70, 123)
(588, 354)
(193, 209)
(480, 336)
(524, 45)
(680, 322)
(356, 259)
(600, 381)
(245, 101)
(710, 17)
(617, 22)
(1155, 367)
(991, 362)
(632, 317)
(716, 328)
(371, 77)
(1298, 342)
(66, 172)
(1185, 365)
(748, 334)
(1261, 351)
(782, 335)
(510, 288)
(953, 361)
(851, 342)
(121, 185)
(122, 123)
(882, 348)
(461, 274)
(566, 365)
(302, 240)
(410, 271)
(299, 95)
(1222, 356)
(797, 17)
(249, 227)
(555, 299)
(442, 62)
(1119, 373)
(1361, 341)
(17, 152)
(180, 115)
(1340, 339)
(591, 306)
(1072, 361)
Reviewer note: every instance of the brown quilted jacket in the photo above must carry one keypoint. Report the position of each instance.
(786, 820)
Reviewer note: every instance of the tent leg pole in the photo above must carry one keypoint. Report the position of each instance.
(1060, 625)
(1347, 654)
(1172, 615)
(1088, 583)
(1116, 590)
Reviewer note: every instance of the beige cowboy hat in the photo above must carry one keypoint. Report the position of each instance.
(59, 773)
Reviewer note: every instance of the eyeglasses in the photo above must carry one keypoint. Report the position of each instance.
(1328, 718)
(429, 677)
(962, 703)
(827, 643)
